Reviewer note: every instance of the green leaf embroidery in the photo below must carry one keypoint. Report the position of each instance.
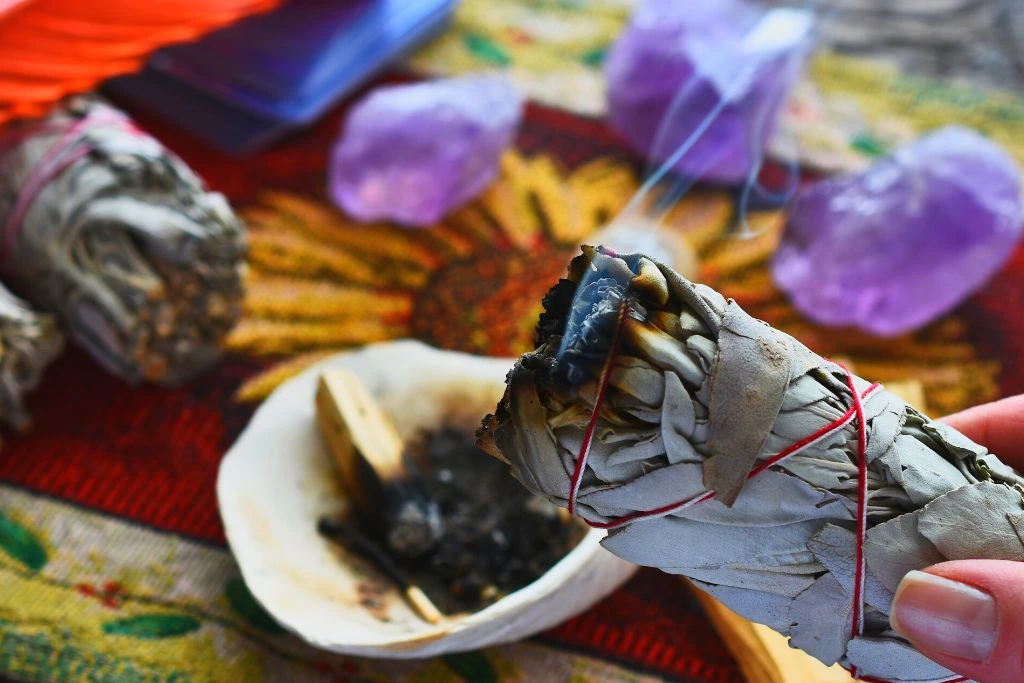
(245, 605)
(868, 144)
(152, 626)
(472, 666)
(594, 57)
(19, 543)
(486, 49)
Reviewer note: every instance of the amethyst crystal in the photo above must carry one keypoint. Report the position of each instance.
(412, 153)
(680, 63)
(905, 241)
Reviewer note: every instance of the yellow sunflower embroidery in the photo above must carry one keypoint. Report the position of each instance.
(320, 282)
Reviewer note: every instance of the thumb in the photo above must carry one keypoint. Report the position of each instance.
(967, 615)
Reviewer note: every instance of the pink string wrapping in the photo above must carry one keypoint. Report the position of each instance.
(854, 413)
(56, 159)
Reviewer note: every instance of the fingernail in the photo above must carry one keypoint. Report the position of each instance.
(945, 616)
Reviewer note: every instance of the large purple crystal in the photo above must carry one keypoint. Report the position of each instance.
(412, 153)
(905, 241)
(679, 64)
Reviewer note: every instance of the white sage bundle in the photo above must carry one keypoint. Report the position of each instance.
(29, 342)
(711, 445)
(104, 227)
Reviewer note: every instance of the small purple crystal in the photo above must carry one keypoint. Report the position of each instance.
(683, 62)
(902, 243)
(412, 153)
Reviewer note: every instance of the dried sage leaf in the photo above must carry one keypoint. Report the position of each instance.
(975, 521)
(896, 547)
(836, 548)
(824, 632)
(747, 391)
(892, 659)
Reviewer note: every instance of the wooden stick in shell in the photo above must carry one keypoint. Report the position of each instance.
(385, 494)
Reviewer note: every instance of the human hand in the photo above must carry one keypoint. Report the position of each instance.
(968, 615)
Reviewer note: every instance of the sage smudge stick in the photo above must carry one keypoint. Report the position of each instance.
(717, 447)
(105, 228)
(29, 341)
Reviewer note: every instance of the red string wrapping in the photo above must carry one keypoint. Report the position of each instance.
(860, 576)
(581, 460)
(854, 413)
(862, 512)
(602, 388)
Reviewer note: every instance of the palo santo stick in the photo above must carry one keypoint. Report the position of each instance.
(387, 497)
(351, 538)
(422, 605)
(361, 438)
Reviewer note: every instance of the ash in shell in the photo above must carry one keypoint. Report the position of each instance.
(714, 446)
(105, 228)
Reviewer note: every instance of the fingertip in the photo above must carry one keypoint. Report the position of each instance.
(967, 615)
(998, 426)
(944, 616)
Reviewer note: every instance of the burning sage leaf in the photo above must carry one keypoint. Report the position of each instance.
(746, 477)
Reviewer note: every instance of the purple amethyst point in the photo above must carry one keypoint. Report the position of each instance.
(679, 63)
(899, 245)
(413, 153)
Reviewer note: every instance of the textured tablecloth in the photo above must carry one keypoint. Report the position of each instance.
(113, 564)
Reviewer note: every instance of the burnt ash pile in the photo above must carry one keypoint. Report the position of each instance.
(498, 537)
(494, 536)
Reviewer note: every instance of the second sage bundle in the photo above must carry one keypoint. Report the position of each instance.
(105, 228)
(29, 342)
(712, 445)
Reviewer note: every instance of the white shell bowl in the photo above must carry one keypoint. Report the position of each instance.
(277, 480)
